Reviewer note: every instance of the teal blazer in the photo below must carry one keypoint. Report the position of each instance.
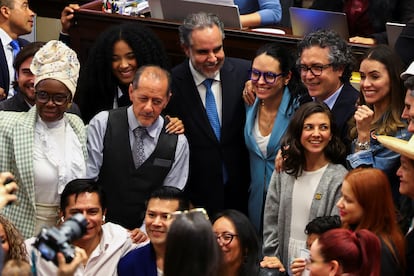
(16, 156)
(261, 167)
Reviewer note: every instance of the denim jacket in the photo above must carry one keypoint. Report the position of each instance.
(381, 158)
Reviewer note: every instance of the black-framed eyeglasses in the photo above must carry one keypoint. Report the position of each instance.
(58, 99)
(269, 77)
(225, 238)
(315, 69)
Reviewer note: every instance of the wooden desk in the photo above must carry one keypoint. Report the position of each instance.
(52, 8)
(90, 21)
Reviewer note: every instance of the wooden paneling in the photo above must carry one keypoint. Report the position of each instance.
(90, 21)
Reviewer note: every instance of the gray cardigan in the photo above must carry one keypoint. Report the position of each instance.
(278, 208)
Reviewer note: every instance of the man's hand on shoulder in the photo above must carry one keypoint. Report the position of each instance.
(137, 235)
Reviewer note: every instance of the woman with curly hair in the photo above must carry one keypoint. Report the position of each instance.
(12, 241)
(111, 65)
(308, 187)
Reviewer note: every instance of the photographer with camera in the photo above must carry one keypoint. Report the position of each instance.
(103, 243)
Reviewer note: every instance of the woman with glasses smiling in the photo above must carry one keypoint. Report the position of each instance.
(238, 242)
(44, 148)
(277, 86)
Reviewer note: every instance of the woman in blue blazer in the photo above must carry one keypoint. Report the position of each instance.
(278, 90)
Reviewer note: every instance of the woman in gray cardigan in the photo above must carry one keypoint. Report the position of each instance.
(308, 187)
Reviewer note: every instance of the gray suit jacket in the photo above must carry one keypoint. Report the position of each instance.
(278, 208)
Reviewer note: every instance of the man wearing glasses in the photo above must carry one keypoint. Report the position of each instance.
(149, 260)
(325, 64)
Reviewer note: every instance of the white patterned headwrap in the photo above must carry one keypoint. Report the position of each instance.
(56, 61)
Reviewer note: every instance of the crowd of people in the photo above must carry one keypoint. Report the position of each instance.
(216, 166)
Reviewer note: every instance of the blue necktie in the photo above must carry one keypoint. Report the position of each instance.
(16, 47)
(212, 115)
(211, 108)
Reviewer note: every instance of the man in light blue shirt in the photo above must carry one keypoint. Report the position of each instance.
(114, 150)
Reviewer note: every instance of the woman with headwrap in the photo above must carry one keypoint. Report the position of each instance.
(44, 148)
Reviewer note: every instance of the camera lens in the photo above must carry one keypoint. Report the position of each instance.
(74, 227)
(52, 240)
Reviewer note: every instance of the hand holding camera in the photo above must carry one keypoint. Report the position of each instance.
(69, 269)
(52, 240)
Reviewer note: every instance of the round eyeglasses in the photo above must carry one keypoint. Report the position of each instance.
(58, 99)
(225, 238)
(269, 77)
(315, 69)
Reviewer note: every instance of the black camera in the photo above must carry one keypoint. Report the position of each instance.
(52, 240)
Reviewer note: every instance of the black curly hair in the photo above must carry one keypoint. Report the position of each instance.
(340, 54)
(97, 84)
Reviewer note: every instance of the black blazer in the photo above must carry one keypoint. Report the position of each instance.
(344, 109)
(4, 70)
(207, 155)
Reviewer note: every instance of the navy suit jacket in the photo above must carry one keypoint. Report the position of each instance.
(139, 262)
(205, 185)
(4, 70)
(343, 110)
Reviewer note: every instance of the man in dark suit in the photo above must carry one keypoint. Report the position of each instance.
(219, 172)
(23, 87)
(16, 19)
(326, 64)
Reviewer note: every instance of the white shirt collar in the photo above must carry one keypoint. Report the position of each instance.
(198, 77)
(134, 123)
(5, 38)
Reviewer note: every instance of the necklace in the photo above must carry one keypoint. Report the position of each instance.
(266, 119)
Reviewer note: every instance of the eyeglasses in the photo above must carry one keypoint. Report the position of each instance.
(58, 99)
(316, 70)
(194, 210)
(269, 77)
(225, 238)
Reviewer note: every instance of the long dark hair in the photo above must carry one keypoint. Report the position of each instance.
(192, 248)
(292, 148)
(249, 242)
(391, 120)
(97, 84)
(287, 64)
